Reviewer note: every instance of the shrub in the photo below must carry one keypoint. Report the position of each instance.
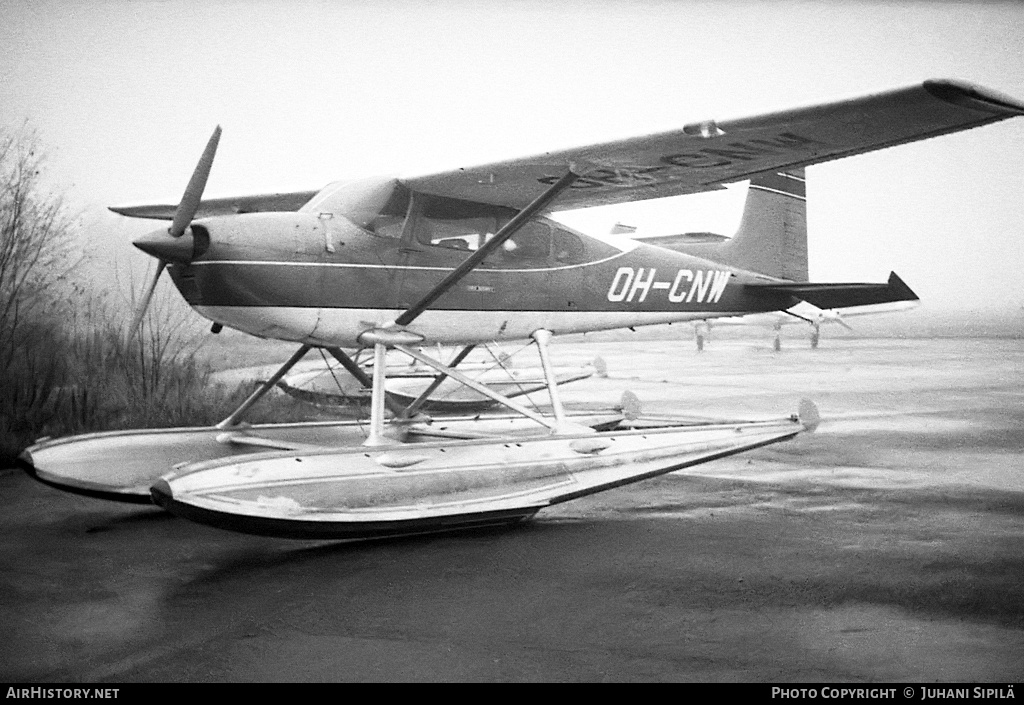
(66, 363)
(35, 260)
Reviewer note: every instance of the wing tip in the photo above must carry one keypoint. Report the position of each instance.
(162, 212)
(971, 95)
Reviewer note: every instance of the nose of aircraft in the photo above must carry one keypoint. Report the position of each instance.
(180, 250)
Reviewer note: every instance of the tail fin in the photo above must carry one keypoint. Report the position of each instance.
(772, 237)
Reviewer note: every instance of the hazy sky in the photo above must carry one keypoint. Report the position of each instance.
(125, 95)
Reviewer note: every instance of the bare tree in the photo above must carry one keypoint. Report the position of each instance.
(35, 242)
(35, 259)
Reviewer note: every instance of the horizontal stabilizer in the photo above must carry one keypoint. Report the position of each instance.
(827, 296)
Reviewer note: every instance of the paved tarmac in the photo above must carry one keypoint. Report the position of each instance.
(888, 546)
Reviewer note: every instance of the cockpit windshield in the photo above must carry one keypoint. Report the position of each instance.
(378, 205)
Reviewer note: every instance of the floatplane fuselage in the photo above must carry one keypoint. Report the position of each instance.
(327, 278)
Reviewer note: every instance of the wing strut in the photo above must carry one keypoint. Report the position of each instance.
(510, 228)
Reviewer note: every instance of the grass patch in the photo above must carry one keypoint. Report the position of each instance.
(88, 376)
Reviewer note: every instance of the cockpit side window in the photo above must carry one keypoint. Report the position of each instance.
(531, 242)
(457, 225)
(568, 247)
(454, 224)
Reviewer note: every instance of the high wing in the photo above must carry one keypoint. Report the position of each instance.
(224, 206)
(703, 156)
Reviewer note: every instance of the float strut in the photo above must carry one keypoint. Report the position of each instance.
(441, 377)
(356, 371)
(476, 386)
(376, 437)
(542, 338)
(233, 419)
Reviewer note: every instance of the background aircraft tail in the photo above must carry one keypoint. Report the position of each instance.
(772, 237)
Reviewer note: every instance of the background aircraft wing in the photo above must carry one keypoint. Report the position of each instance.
(873, 309)
(224, 206)
(705, 155)
(681, 240)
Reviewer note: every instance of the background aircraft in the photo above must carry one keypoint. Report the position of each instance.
(802, 315)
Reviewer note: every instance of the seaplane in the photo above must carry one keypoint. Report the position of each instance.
(465, 257)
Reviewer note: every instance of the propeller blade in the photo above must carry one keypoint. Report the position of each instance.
(140, 311)
(186, 210)
(845, 325)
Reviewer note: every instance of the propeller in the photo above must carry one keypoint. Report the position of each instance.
(169, 246)
(140, 310)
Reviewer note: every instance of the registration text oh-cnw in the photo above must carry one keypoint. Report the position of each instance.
(701, 285)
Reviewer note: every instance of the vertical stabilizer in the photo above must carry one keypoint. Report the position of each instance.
(772, 237)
